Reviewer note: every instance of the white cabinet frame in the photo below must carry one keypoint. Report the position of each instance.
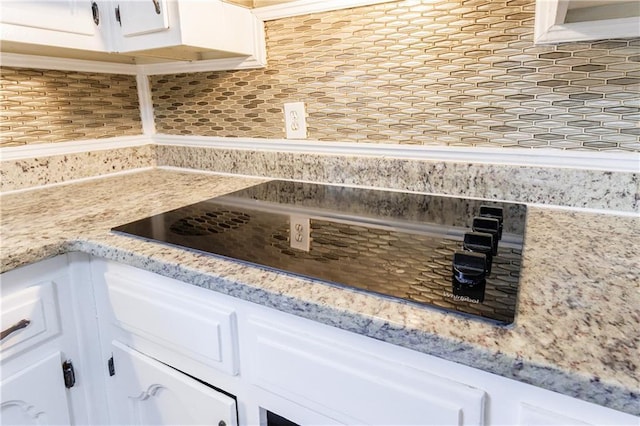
(551, 28)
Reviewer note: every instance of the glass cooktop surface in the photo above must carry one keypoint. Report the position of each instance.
(456, 254)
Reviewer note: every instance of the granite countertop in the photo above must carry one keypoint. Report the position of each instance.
(577, 330)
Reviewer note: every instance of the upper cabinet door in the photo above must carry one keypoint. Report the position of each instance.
(142, 17)
(185, 29)
(74, 24)
(67, 16)
(151, 31)
(144, 391)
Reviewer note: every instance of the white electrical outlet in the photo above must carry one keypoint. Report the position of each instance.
(300, 232)
(295, 121)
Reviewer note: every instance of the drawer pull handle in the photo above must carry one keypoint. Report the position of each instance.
(18, 326)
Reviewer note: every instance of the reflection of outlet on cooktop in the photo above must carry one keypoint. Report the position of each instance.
(456, 254)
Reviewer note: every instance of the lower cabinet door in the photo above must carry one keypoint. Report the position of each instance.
(144, 391)
(35, 395)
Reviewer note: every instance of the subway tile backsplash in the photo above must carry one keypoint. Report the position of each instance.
(40, 106)
(444, 72)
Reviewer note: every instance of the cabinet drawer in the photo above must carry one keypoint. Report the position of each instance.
(352, 386)
(33, 315)
(158, 314)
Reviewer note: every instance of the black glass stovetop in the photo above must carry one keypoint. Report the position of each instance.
(394, 244)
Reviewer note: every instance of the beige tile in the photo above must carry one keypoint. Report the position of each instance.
(410, 72)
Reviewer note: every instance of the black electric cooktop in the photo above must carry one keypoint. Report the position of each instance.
(460, 255)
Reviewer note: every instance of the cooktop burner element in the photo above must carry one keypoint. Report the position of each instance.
(460, 255)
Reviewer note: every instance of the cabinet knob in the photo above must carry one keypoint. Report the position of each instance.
(96, 13)
(156, 4)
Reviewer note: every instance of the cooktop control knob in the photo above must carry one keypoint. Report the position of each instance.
(495, 213)
(488, 225)
(480, 242)
(469, 281)
(469, 269)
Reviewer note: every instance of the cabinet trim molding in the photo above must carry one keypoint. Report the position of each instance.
(65, 64)
(304, 7)
(201, 66)
(550, 27)
(20, 60)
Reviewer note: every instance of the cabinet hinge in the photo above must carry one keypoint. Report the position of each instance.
(69, 374)
(112, 368)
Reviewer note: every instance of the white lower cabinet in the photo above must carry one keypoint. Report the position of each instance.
(144, 391)
(167, 347)
(35, 395)
(174, 321)
(39, 335)
(152, 350)
(531, 415)
(351, 385)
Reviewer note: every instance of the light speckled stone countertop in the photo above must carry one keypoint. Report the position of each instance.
(577, 329)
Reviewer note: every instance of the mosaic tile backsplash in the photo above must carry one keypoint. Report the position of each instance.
(40, 106)
(443, 72)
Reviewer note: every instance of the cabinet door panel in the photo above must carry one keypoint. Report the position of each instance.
(66, 16)
(176, 321)
(36, 304)
(354, 386)
(35, 395)
(144, 391)
(143, 17)
(536, 416)
(558, 410)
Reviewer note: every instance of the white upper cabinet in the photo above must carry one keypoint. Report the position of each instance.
(147, 30)
(560, 21)
(60, 23)
(184, 29)
(141, 17)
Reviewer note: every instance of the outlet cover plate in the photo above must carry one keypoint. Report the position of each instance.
(300, 232)
(295, 120)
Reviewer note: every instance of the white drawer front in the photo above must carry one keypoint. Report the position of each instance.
(37, 305)
(354, 386)
(196, 329)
